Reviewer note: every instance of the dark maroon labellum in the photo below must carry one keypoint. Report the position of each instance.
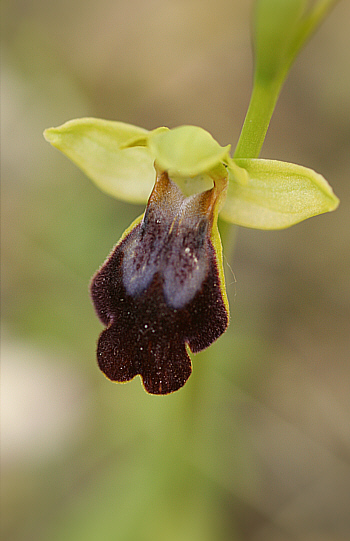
(160, 290)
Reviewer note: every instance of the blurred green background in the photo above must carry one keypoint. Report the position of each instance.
(256, 446)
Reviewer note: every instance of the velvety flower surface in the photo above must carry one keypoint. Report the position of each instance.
(161, 290)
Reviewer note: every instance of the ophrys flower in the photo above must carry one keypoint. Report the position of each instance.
(161, 289)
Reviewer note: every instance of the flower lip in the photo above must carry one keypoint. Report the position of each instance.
(159, 290)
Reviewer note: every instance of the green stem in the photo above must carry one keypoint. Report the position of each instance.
(266, 92)
(257, 120)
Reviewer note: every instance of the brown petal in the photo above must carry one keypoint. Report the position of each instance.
(160, 290)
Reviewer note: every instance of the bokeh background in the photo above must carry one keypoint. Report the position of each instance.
(256, 446)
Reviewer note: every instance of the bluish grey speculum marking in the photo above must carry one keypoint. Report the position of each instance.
(160, 290)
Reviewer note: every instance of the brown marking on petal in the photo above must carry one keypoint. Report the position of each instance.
(144, 249)
(179, 301)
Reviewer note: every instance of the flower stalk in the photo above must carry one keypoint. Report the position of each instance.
(273, 21)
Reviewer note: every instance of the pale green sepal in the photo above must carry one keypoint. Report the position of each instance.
(94, 145)
(277, 195)
(186, 151)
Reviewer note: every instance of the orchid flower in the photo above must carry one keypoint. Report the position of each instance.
(161, 292)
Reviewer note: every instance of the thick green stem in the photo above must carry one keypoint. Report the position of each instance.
(257, 120)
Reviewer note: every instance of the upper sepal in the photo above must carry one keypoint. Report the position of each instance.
(186, 151)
